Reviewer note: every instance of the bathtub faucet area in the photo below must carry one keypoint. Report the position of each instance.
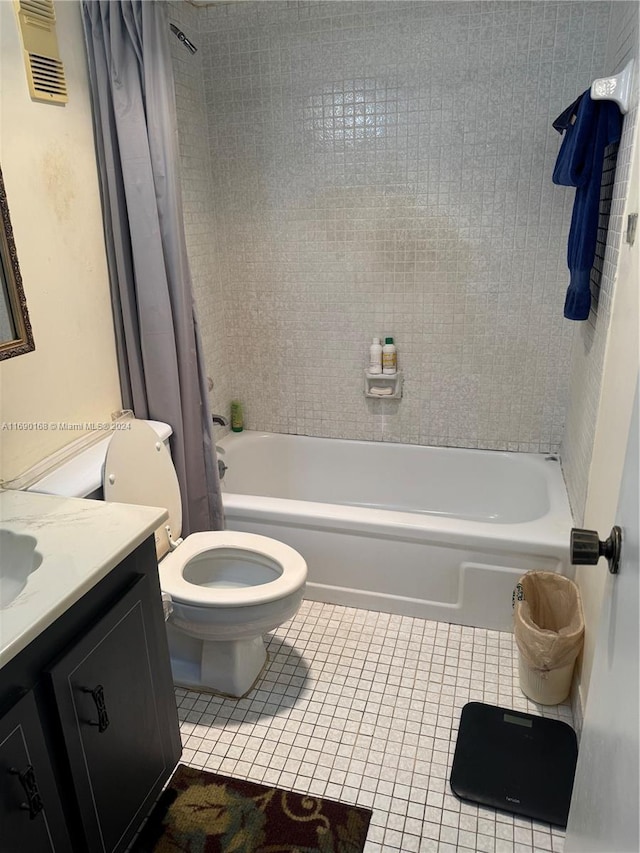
(219, 420)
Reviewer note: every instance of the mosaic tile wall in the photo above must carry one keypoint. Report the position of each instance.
(589, 344)
(384, 168)
(195, 173)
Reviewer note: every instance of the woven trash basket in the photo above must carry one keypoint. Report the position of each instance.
(549, 629)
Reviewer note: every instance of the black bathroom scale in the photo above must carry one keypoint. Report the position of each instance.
(515, 762)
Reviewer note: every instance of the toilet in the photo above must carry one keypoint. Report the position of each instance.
(227, 589)
(222, 589)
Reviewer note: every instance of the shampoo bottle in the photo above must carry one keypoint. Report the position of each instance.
(375, 357)
(389, 357)
(237, 418)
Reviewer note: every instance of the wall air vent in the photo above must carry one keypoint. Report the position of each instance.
(45, 71)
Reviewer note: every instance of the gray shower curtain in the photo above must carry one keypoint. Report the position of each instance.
(159, 352)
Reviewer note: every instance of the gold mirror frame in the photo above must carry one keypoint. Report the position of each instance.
(12, 282)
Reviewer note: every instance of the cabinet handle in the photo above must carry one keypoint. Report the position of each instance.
(27, 778)
(98, 697)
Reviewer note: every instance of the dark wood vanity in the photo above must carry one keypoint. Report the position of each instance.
(88, 721)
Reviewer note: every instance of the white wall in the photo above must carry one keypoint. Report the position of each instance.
(619, 377)
(592, 336)
(605, 357)
(50, 176)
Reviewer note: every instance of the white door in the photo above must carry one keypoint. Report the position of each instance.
(604, 807)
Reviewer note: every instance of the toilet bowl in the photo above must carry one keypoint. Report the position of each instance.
(223, 589)
(227, 589)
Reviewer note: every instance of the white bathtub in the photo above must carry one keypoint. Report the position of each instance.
(439, 533)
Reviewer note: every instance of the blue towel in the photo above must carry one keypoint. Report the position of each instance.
(589, 126)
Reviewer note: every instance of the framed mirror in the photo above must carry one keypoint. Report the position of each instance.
(16, 336)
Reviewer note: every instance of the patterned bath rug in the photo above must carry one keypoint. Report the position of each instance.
(202, 812)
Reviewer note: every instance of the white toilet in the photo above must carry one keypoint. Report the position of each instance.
(224, 589)
(227, 589)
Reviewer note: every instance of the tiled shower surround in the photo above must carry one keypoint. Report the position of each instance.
(358, 169)
(591, 339)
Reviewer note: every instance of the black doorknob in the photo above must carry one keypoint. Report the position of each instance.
(587, 548)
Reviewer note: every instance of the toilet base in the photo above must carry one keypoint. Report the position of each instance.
(228, 667)
(183, 675)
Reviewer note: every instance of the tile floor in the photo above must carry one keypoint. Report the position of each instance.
(363, 707)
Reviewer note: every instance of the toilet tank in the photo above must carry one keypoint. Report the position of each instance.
(79, 475)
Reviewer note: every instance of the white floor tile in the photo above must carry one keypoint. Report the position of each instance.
(363, 707)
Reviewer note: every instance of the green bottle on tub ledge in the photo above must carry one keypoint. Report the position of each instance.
(237, 417)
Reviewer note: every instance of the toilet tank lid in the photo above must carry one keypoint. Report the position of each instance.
(80, 474)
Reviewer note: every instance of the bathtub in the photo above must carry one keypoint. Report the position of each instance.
(437, 533)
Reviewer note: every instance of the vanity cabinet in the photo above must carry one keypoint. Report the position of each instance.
(107, 703)
(97, 719)
(31, 816)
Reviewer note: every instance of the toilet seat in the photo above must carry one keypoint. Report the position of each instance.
(272, 556)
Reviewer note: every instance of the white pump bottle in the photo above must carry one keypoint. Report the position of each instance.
(375, 356)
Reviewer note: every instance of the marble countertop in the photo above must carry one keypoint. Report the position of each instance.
(79, 542)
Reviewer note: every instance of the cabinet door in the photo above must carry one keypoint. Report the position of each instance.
(31, 817)
(106, 697)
